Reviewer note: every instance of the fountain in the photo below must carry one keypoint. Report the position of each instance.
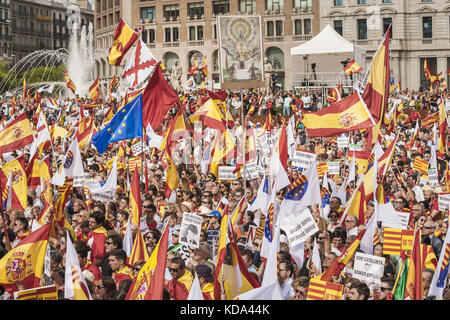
(78, 59)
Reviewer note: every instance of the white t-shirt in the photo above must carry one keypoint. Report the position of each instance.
(306, 102)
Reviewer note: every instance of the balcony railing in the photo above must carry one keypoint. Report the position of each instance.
(171, 44)
(301, 37)
(196, 43)
(274, 39)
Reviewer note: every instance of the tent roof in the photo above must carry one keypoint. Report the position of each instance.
(327, 41)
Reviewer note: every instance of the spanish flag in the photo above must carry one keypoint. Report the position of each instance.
(230, 264)
(177, 130)
(414, 282)
(24, 90)
(171, 176)
(376, 92)
(135, 198)
(149, 283)
(211, 116)
(194, 67)
(139, 251)
(204, 67)
(349, 114)
(442, 130)
(15, 169)
(25, 262)
(352, 67)
(16, 134)
(124, 37)
(84, 132)
(94, 90)
(223, 148)
(69, 83)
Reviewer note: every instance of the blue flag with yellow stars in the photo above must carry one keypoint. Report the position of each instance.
(126, 124)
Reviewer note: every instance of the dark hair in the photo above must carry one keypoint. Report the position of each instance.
(123, 289)
(110, 287)
(99, 217)
(289, 265)
(119, 254)
(247, 252)
(156, 234)
(339, 232)
(362, 288)
(116, 239)
(179, 261)
(24, 222)
(389, 280)
(84, 224)
(82, 249)
(124, 213)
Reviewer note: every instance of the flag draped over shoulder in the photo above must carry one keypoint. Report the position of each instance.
(126, 124)
(25, 262)
(124, 37)
(16, 134)
(348, 114)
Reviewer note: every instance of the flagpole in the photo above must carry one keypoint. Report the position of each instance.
(243, 140)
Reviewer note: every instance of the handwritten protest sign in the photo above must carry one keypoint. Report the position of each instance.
(368, 267)
(303, 159)
(299, 227)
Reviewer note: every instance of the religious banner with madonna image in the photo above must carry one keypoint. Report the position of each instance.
(241, 52)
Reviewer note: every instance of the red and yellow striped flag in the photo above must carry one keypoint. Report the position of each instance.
(352, 67)
(94, 89)
(135, 199)
(124, 37)
(397, 241)
(323, 290)
(139, 251)
(19, 181)
(16, 135)
(171, 176)
(420, 165)
(414, 280)
(322, 167)
(25, 262)
(69, 83)
(430, 120)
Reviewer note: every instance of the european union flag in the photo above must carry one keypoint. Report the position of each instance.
(298, 189)
(126, 124)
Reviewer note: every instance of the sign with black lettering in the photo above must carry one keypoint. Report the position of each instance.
(368, 267)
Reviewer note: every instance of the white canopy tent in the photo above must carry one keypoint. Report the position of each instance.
(327, 49)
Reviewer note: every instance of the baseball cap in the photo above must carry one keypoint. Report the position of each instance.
(215, 213)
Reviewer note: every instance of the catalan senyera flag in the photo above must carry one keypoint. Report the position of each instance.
(69, 83)
(420, 165)
(94, 89)
(16, 134)
(414, 282)
(139, 251)
(376, 92)
(322, 167)
(135, 198)
(352, 67)
(149, 282)
(25, 262)
(323, 290)
(19, 181)
(347, 115)
(40, 293)
(114, 81)
(230, 264)
(124, 37)
(397, 241)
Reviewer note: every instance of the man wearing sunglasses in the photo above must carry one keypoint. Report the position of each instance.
(181, 281)
(384, 292)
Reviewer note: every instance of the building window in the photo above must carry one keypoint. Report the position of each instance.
(362, 29)
(172, 11)
(297, 27)
(307, 26)
(274, 6)
(199, 32)
(151, 36)
(386, 23)
(196, 10)
(427, 27)
(191, 33)
(167, 34)
(361, 1)
(148, 13)
(279, 28)
(270, 29)
(302, 5)
(247, 6)
(338, 26)
(215, 32)
(221, 7)
(386, 1)
(337, 3)
(175, 34)
(144, 36)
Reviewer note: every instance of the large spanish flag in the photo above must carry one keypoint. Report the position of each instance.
(25, 263)
(16, 135)
(19, 181)
(171, 175)
(376, 93)
(124, 37)
(94, 90)
(211, 116)
(346, 115)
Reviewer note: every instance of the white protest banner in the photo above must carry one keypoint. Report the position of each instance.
(250, 171)
(368, 267)
(137, 148)
(183, 250)
(443, 201)
(404, 219)
(299, 227)
(333, 167)
(226, 173)
(433, 179)
(343, 142)
(303, 159)
(191, 226)
(422, 181)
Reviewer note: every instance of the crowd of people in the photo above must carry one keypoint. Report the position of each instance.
(99, 227)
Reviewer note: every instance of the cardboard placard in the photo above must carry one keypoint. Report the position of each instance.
(433, 179)
(299, 227)
(191, 226)
(303, 159)
(443, 201)
(226, 173)
(333, 167)
(343, 142)
(368, 267)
